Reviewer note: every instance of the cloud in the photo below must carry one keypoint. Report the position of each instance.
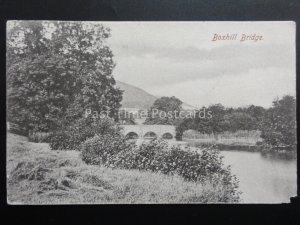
(163, 58)
(258, 86)
(177, 65)
(193, 53)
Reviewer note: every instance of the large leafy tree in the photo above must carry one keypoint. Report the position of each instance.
(279, 125)
(164, 110)
(209, 124)
(216, 122)
(256, 112)
(56, 71)
(239, 121)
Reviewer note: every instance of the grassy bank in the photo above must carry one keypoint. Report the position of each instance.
(241, 137)
(240, 140)
(38, 175)
(223, 146)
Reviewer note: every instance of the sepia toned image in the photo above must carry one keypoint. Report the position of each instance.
(150, 112)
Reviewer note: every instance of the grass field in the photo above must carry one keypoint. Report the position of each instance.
(38, 175)
(227, 138)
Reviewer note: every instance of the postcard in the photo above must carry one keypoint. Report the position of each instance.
(150, 112)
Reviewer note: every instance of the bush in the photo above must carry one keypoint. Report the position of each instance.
(157, 156)
(39, 137)
(279, 124)
(101, 148)
(71, 136)
(60, 141)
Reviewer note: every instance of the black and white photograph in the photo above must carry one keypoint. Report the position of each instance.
(101, 112)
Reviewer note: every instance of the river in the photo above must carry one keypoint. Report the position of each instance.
(264, 178)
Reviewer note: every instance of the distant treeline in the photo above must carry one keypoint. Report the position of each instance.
(277, 123)
(225, 119)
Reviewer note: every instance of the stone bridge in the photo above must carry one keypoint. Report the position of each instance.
(149, 131)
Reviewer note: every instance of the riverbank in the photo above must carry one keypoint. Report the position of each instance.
(235, 144)
(38, 175)
(223, 145)
(239, 140)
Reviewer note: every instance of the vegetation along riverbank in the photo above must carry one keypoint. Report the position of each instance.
(39, 175)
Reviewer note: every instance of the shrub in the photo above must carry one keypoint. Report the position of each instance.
(157, 156)
(279, 124)
(71, 136)
(59, 141)
(144, 157)
(39, 137)
(101, 148)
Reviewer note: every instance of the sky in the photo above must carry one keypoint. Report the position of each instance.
(180, 59)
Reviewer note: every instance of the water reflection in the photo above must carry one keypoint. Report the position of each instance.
(285, 156)
(264, 177)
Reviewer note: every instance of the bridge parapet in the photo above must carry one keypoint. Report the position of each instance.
(142, 130)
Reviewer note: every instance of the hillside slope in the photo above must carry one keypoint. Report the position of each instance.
(134, 97)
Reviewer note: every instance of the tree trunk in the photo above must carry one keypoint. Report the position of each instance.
(216, 136)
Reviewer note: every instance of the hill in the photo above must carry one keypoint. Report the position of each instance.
(134, 97)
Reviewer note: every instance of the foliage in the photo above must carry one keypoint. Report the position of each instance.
(157, 156)
(211, 125)
(239, 121)
(73, 135)
(223, 119)
(56, 70)
(126, 117)
(186, 124)
(101, 148)
(258, 113)
(245, 136)
(63, 172)
(60, 140)
(216, 123)
(164, 111)
(39, 137)
(279, 125)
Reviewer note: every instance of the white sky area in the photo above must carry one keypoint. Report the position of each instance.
(179, 59)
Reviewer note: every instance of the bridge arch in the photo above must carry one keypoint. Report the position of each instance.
(150, 135)
(149, 131)
(131, 135)
(167, 136)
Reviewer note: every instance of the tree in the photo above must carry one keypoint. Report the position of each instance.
(164, 110)
(186, 124)
(258, 113)
(216, 123)
(239, 121)
(57, 70)
(126, 117)
(279, 125)
(212, 123)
